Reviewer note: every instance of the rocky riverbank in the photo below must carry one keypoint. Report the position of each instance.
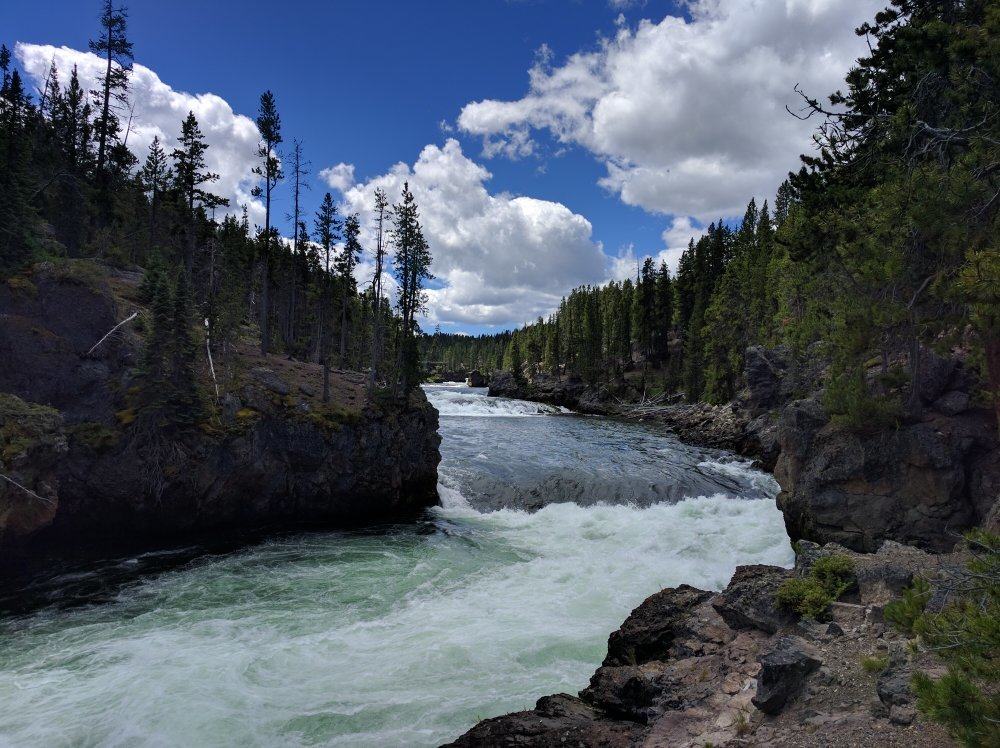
(695, 668)
(691, 668)
(83, 473)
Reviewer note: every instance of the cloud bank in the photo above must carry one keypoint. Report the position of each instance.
(687, 116)
(499, 259)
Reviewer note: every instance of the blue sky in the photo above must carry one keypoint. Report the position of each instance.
(673, 119)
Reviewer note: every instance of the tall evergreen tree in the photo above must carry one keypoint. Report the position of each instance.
(269, 126)
(346, 262)
(381, 215)
(154, 178)
(114, 47)
(185, 400)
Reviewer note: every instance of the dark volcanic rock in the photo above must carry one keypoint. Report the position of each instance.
(893, 686)
(626, 691)
(764, 371)
(922, 483)
(476, 379)
(782, 673)
(650, 629)
(749, 600)
(556, 721)
(102, 477)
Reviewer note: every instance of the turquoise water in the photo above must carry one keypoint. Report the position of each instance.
(401, 637)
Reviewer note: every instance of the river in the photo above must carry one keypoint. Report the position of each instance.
(553, 526)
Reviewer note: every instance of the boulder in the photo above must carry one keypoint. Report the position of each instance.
(749, 600)
(952, 403)
(893, 685)
(476, 379)
(934, 374)
(649, 631)
(503, 384)
(555, 722)
(626, 692)
(783, 670)
(270, 380)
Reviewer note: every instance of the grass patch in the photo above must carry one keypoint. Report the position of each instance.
(810, 596)
(874, 664)
(24, 425)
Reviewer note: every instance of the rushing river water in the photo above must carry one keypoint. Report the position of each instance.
(403, 635)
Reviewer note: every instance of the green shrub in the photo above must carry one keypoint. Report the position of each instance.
(904, 612)
(966, 635)
(97, 436)
(851, 405)
(810, 596)
(834, 573)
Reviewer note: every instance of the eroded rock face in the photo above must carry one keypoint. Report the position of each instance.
(555, 722)
(922, 483)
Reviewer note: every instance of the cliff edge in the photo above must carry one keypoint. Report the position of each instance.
(82, 471)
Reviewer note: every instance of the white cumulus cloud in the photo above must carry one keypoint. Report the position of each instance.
(159, 111)
(499, 259)
(687, 115)
(339, 177)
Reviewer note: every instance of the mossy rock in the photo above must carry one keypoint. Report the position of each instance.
(97, 436)
(20, 284)
(24, 425)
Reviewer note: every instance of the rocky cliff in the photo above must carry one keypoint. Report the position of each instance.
(81, 471)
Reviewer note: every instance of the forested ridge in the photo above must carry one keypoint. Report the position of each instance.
(883, 244)
(213, 282)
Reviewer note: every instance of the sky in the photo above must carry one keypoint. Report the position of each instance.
(548, 143)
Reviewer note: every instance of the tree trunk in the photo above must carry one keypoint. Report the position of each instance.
(343, 327)
(265, 280)
(264, 301)
(105, 112)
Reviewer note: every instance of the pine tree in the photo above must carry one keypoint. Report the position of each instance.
(300, 171)
(16, 212)
(381, 215)
(327, 228)
(189, 176)
(154, 178)
(412, 265)
(346, 262)
(269, 125)
(154, 385)
(116, 50)
(185, 406)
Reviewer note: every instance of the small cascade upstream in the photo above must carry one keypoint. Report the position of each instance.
(552, 528)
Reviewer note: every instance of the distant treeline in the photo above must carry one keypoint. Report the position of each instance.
(70, 188)
(883, 243)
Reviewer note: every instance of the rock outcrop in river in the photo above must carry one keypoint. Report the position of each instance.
(81, 473)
